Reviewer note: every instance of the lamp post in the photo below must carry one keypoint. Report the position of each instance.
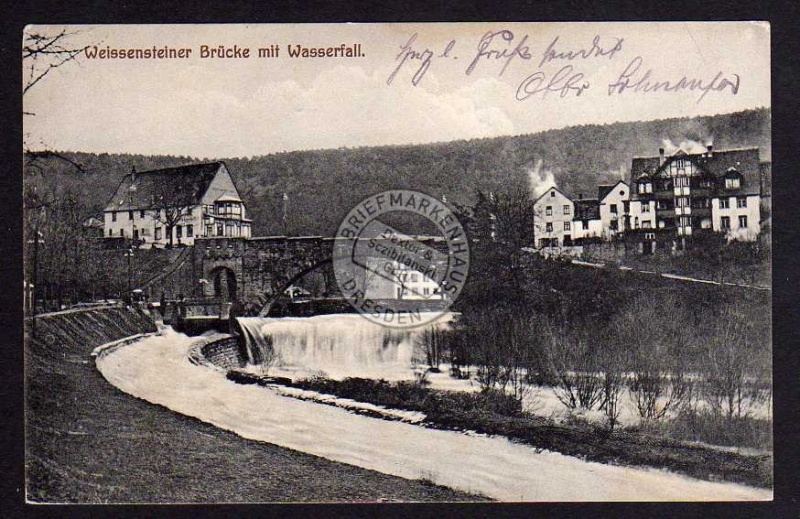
(37, 239)
(129, 255)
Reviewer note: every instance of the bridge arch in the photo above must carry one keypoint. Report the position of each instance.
(224, 283)
(291, 281)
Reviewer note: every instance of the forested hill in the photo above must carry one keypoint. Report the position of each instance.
(322, 185)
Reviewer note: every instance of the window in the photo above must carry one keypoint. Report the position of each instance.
(585, 224)
(725, 222)
(733, 182)
(548, 227)
(157, 233)
(548, 210)
(626, 207)
(646, 224)
(141, 213)
(179, 231)
(552, 193)
(209, 230)
(189, 231)
(111, 232)
(130, 215)
(113, 216)
(426, 291)
(220, 230)
(724, 203)
(741, 201)
(413, 277)
(682, 182)
(682, 201)
(743, 222)
(649, 235)
(649, 187)
(613, 208)
(645, 208)
(614, 226)
(566, 209)
(567, 226)
(121, 233)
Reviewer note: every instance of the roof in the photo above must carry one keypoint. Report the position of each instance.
(605, 189)
(228, 198)
(587, 209)
(551, 188)
(744, 160)
(180, 186)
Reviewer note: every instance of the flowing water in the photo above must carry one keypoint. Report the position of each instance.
(157, 369)
(336, 346)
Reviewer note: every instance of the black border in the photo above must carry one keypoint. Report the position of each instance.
(785, 110)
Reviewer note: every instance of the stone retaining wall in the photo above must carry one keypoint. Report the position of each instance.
(219, 351)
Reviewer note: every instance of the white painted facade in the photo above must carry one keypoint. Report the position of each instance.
(220, 212)
(553, 219)
(592, 228)
(738, 217)
(612, 210)
(643, 214)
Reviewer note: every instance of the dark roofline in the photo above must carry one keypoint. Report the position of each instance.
(703, 154)
(548, 190)
(164, 170)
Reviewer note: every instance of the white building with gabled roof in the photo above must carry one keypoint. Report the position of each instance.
(173, 206)
(553, 219)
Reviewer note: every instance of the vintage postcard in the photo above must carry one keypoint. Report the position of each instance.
(366, 263)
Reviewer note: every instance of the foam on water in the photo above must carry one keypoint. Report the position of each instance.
(157, 369)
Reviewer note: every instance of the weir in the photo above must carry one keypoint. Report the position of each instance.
(336, 346)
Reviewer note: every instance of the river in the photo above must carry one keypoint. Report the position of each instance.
(157, 370)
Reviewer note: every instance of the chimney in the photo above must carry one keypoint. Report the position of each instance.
(580, 196)
(710, 149)
(660, 156)
(133, 174)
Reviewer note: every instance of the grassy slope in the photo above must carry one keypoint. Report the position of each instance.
(89, 442)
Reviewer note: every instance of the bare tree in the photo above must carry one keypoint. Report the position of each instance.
(433, 341)
(573, 360)
(170, 211)
(657, 334)
(42, 53)
(734, 382)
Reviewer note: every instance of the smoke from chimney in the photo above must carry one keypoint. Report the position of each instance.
(540, 179)
(687, 145)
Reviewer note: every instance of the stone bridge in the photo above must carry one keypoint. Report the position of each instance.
(255, 270)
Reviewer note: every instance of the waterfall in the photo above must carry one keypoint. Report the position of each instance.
(338, 345)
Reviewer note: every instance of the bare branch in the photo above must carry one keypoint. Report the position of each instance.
(46, 52)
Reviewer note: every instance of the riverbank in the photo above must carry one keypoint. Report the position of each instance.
(158, 370)
(497, 413)
(88, 442)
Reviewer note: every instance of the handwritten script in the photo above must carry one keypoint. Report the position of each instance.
(557, 69)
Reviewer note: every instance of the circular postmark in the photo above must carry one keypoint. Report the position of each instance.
(395, 278)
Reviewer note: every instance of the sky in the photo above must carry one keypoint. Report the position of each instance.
(242, 107)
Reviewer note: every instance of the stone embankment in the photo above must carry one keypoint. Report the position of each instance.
(78, 332)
